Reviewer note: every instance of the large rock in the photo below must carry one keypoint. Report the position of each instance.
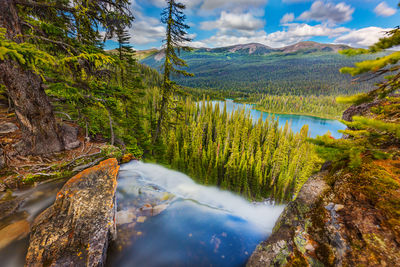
(289, 232)
(76, 230)
(70, 136)
(341, 217)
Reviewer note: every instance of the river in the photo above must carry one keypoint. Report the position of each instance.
(317, 126)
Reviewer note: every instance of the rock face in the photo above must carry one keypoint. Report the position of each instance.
(75, 231)
(290, 228)
(2, 159)
(359, 110)
(341, 217)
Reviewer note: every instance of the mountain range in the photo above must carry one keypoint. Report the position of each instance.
(304, 68)
(257, 49)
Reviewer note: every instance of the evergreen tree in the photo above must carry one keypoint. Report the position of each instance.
(176, 37)
(373, 135)
(68, 33)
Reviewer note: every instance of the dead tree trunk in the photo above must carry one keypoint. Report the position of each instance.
(41, 134)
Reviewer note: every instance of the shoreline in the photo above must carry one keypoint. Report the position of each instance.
(255, 107)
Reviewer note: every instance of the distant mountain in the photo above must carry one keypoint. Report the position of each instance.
(253, 48)
(312, 47)
(142, 54)
(301, 69)
(258, 49)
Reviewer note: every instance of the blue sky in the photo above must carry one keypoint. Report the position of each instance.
(276, 23)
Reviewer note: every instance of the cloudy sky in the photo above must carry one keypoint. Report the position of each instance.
(276, 23)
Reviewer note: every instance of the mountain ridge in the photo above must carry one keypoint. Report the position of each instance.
(261, 49)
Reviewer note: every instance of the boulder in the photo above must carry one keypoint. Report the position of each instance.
(289, 233)
(70, 136)
(76, 229)
(8, 207)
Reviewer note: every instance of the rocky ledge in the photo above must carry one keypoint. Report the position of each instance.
(76, 229)
(340, 218)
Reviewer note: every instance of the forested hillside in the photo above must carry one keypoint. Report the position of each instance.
(321, 106)
(258, 160)
(306, 71)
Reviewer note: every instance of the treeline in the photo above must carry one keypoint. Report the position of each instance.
(258, 160)
(310, 74)
(321, 106)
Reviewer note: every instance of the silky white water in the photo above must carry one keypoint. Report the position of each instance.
(263, 215)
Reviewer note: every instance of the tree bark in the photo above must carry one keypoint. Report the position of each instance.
(40, 132)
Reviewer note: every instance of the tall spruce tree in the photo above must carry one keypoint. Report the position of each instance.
(175, 41)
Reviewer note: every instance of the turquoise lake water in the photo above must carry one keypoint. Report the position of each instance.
(317, 126)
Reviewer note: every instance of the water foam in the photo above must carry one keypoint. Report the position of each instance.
(263, 215)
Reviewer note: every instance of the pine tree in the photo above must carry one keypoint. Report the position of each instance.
(176, 37)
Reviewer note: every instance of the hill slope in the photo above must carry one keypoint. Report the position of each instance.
(302, 69)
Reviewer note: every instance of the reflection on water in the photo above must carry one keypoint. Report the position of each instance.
(202, 226)
(317, 126)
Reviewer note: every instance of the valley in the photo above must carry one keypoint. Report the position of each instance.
(199, 133)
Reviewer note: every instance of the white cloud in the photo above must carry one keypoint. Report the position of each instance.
(214, 4)
(146, 30)
(232, 21)
(204, 7)
(294, 33)
(328, 12)
(384, 10)
(295, 1)
(159, 3)
(288, 17)
(363, 37)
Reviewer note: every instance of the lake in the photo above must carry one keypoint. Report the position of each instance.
(317, 126)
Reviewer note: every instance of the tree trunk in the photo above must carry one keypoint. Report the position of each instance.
(40, 132)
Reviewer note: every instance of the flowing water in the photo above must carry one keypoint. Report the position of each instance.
(14, 230)
(200, 226)
(317, 126)
(187, 225)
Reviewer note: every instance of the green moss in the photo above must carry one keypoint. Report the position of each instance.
(282, 258)
(298, 259)
(300, 242)
(30, 179)
(7, 196)
(109, 151)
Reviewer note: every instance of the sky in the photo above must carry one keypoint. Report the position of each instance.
(275, 23)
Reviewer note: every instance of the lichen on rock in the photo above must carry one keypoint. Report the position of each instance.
(76, 229)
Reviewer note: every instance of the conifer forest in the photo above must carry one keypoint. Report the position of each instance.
(199, 133)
